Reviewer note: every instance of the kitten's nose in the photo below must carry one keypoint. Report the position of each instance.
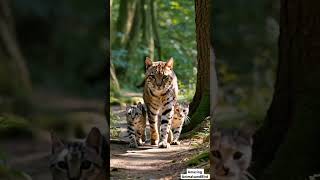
(226, 170)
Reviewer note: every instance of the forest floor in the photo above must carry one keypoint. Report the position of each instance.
(148, 162)
(31, 155)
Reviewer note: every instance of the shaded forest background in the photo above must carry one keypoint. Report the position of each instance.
(53, 58)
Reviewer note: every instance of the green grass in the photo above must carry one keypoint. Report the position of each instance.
(203, 157)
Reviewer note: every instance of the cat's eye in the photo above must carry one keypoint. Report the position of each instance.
(165, 77)
(216, 154)
(86, 164)
(62, 165)
(237, 155)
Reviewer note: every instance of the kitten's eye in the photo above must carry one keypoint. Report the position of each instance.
(165, 77)
(86, 164)
(216, 154)
(237, 155)
(62, 165)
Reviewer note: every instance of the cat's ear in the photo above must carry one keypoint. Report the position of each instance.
(169, 63)
(94, 139)
(56, 143)
(148, 62)
(247, 134)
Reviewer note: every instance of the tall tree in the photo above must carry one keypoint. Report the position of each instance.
(287, 145)
(200, 105)
(14, 74)
(136, 25)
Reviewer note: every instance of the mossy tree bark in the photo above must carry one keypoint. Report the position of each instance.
(287, 145)
(14, 75)
(200, 105)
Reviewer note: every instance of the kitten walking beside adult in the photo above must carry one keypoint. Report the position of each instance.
(160, 96)
(136, 121)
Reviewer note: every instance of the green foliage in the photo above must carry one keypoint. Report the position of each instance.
(12, 126)
(176, 27)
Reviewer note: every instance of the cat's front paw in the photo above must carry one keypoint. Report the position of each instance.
(164, 144)
(175, 143)
(140, 143)
(154, 142)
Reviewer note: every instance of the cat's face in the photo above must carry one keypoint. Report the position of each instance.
(159, 75)
(134, 112)
(77, 160)
(182, 110)
(230, 154)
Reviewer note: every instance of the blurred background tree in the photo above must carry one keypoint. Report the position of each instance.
(53, 58)
(157, 29)
(244, 35)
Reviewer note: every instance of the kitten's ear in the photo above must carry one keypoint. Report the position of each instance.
(56, 143)
(169, 63)
(247, 134)
(140, 106)
(148, 62)
(94, 139)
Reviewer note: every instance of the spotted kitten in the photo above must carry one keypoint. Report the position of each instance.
(230, 155)
(179, 118)
(136, 120)
(79, 160)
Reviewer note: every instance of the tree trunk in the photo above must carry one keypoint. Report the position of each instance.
(287, 145)
(14, 74)
(157, 42)
(200, 105)
(147, 35)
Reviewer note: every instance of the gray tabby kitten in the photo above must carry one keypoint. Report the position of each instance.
(78, 160)
(160, 96)
(230, 155)
(136, 120)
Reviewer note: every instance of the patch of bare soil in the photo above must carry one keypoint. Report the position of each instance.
(150, 162)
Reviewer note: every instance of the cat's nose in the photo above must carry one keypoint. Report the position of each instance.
(226, 170)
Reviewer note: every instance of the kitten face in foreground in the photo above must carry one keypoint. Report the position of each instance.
(77, 160)
(230, 154)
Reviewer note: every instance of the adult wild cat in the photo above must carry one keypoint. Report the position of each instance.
(160, 96)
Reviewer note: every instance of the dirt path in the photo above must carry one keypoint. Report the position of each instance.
(149, 162)
(146, 162)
